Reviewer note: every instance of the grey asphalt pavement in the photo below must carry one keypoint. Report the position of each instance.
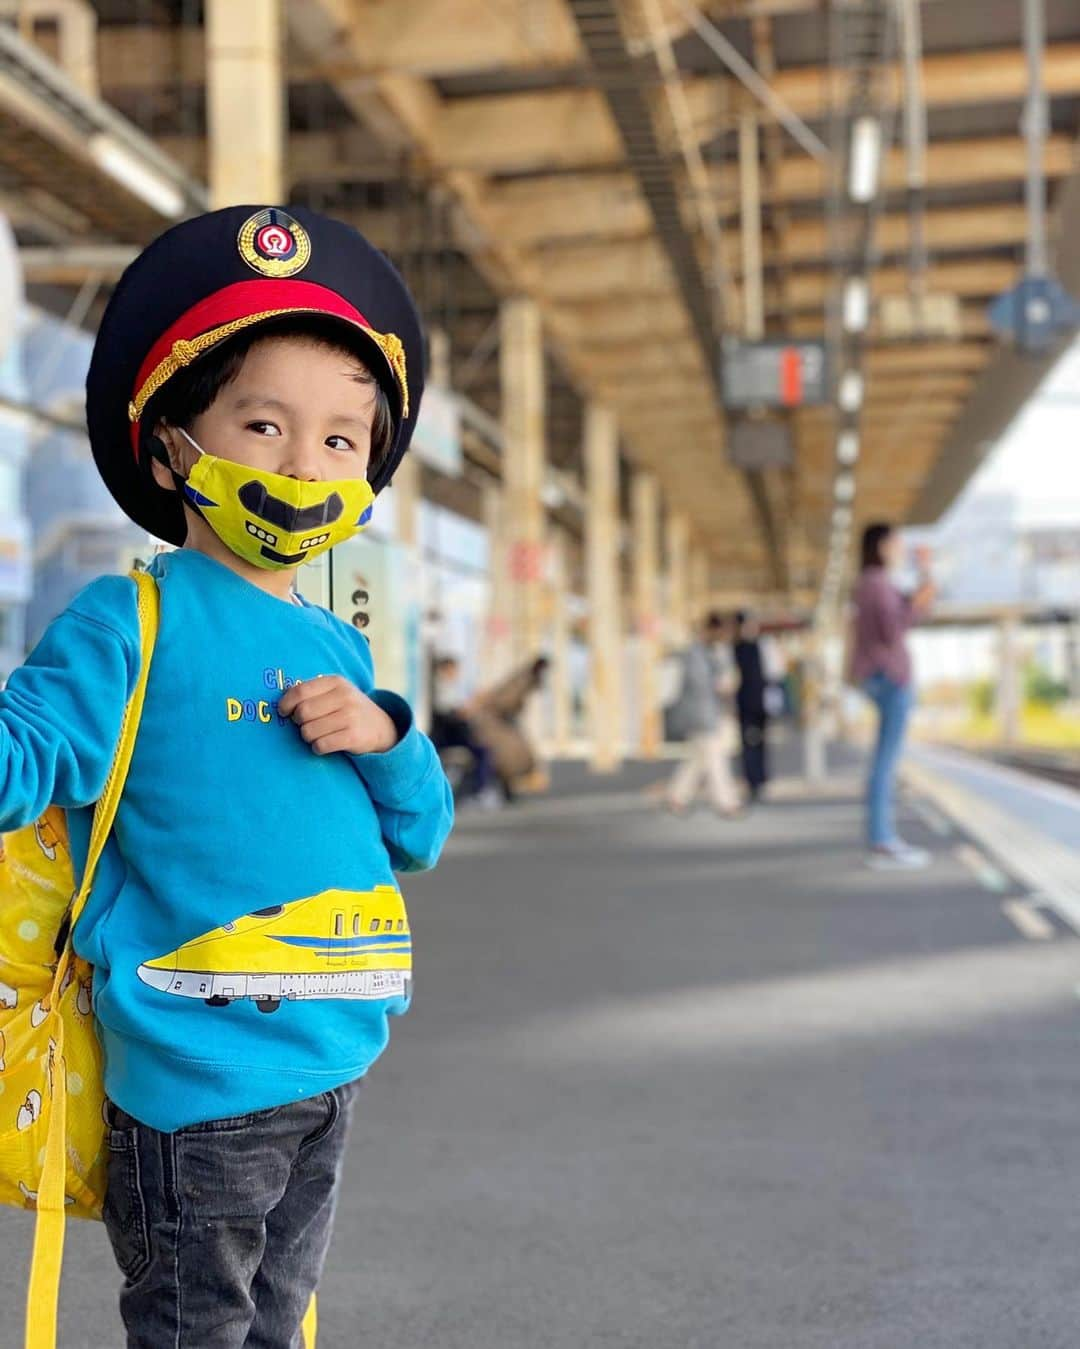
(698, 1084)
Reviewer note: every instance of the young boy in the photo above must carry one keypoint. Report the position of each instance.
(254, 383)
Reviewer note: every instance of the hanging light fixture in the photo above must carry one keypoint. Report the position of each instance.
(847, 448)
(850, 393)
(865, 161)
(856, 304)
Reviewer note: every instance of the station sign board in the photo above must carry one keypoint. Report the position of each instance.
(773, 374)
(760, 442)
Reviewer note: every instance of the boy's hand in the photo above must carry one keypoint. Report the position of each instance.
(333, 715)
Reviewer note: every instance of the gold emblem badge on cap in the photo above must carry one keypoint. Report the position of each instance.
(272, 243)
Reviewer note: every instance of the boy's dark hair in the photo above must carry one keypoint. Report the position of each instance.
(715, 622)
(873, 537)
(193, 389)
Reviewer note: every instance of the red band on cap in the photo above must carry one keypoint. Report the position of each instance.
(238, 301)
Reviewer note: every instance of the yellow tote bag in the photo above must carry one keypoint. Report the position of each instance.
(52, 1126)
(53, 1130)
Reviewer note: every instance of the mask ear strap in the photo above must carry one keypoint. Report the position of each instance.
(157, 449)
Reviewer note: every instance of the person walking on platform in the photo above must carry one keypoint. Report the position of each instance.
(708, 683)
(750, 702)
(881, 667)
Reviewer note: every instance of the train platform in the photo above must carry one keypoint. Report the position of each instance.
(689, 1083)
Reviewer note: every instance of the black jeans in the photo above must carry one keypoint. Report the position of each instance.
(221, 1229)
(752, 727)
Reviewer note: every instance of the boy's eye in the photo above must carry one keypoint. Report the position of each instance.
(264, 428)
(339, 443)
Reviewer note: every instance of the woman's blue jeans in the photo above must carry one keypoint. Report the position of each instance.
(893, 702)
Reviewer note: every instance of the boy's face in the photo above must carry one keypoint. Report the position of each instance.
(296, 408)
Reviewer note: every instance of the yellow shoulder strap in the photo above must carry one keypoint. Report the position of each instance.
(311, 1325)
(44, 1283)
(149, 615)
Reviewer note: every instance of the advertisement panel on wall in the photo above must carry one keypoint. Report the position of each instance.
(378, 567)
(437, 438)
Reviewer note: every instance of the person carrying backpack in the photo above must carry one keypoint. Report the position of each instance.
(255, 382)
(704, 710)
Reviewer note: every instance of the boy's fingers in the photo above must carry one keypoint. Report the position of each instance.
(330, 744)
(315, 727)
(318, 705)
(300, 693)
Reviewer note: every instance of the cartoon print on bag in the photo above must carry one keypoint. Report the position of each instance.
(3, 1051)
(38, 1013)
(47, 837)
(30, 1110)
(83, 1000)
(31, 1196)
(9, 998)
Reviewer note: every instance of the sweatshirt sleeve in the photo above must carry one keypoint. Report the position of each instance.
(408, 787)
(61, 711)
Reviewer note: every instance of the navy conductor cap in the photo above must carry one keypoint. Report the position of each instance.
(207, 279)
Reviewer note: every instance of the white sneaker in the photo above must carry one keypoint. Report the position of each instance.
(489, 799)
(898, 856)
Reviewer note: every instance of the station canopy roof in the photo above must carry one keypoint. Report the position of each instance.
(599, 156)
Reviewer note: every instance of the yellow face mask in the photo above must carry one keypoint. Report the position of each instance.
(272, 521)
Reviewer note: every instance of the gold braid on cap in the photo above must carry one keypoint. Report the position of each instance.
(391, 347)
(185, 350)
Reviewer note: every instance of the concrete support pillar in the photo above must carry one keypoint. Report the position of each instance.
(559, 682)
(245, 89)
(406, 487)
(1010, 692)
(750, 221)
(678, 571)
(497, 633)
(602, 586)
(645, 510)
(521, 368)
(439, 358)
(815, 765)
(698, 583)
(1072, 658)
(66, 30)
(406, 494)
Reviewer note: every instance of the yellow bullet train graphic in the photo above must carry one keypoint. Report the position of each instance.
(337, 944)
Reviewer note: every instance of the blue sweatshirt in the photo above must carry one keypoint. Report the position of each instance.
(246, 932)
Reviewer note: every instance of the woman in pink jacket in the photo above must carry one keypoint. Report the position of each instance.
(881, 667)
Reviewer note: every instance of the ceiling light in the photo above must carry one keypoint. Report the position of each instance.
(865, 159)
(847, 447)
(850, 393)
(844, 486)
(856, 304)
(135, 174)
